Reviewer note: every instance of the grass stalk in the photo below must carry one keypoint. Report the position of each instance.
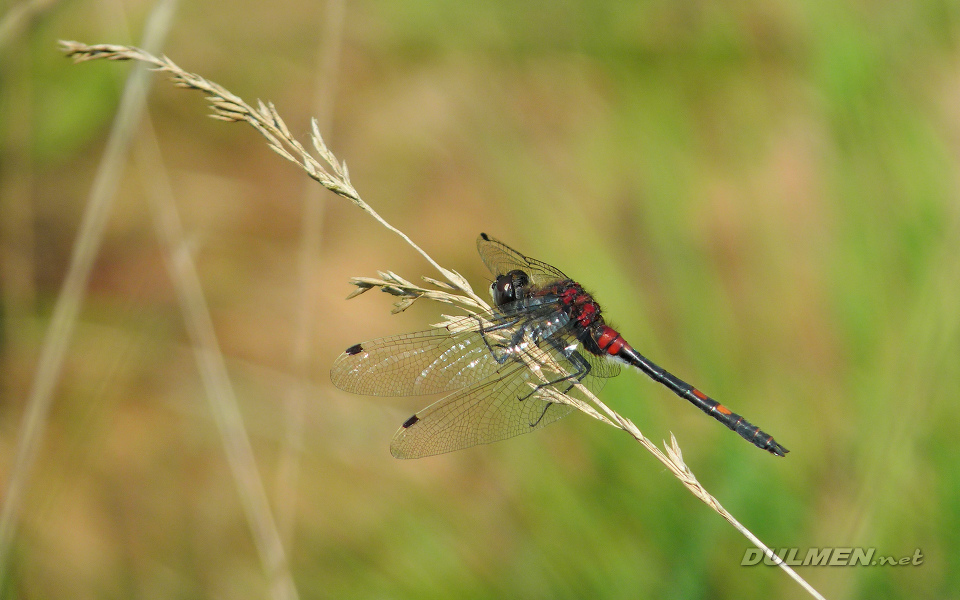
(67, 307)
(308, 259)
(216, 381)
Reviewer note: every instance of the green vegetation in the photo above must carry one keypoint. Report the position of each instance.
(785, 174)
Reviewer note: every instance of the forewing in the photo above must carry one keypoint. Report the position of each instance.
(426, 362)
(501, 259)
(469, 349)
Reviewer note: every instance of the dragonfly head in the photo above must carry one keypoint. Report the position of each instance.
(510, 287)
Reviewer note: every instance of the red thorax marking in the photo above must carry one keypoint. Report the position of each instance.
(586, 309)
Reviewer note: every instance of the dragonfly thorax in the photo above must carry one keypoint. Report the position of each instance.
(579, 304)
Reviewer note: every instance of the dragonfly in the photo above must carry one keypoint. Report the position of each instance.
(505, 368)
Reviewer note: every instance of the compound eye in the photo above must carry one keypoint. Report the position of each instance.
(510, 287)
(502, 290)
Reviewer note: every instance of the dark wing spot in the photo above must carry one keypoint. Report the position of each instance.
(485, 237)
(354, 350)
(410, 421)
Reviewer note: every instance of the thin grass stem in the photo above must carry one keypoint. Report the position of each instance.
(67, 307)
(216, 381)
(288, 468)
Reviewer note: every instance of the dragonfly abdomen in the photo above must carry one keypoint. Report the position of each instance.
(611, 342)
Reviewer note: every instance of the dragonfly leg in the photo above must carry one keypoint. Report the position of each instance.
(582, 370)
(503, 356)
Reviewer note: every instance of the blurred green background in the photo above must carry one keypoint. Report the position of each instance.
(762, 195)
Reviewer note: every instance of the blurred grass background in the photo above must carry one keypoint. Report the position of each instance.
(763, 196)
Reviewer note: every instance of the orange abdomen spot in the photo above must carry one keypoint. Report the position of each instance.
(723, 409)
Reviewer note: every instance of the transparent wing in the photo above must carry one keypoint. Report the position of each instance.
(444, 359)
(503, 405)
(469, 350)
(501, 259)
(426, 362)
